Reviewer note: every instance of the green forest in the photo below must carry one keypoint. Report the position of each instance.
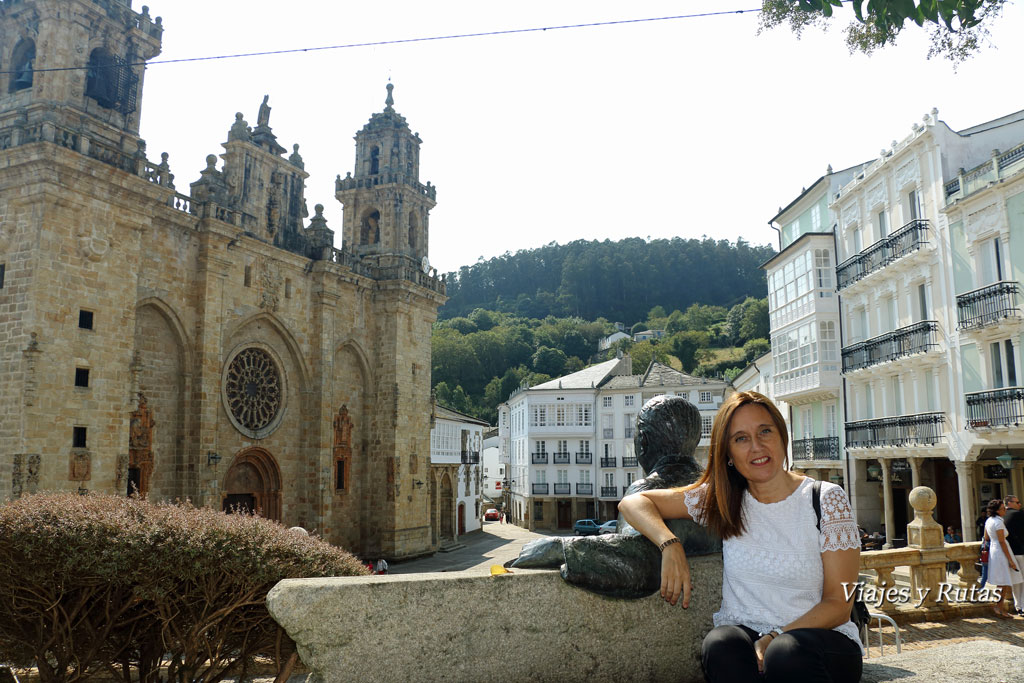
(621, 281)
(487, 348)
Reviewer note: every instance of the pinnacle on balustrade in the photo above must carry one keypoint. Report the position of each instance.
(390, 101)
(924, 531)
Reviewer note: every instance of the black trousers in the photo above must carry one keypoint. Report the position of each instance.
(803, 654)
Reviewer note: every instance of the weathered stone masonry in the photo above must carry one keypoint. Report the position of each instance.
(226, 315)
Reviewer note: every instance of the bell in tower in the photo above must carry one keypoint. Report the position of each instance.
(78, 67)
(386, 207)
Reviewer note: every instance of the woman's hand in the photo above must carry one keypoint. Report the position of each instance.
(760, 645)
(675, 575)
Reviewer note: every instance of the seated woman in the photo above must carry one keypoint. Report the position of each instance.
(785, 612)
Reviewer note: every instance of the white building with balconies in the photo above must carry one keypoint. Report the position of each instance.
(803, 310)
(570, 440)
(909, 359)
(456, 440)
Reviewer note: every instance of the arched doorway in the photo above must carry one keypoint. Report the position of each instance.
(447, 508)
(462, 519)
(253, 483)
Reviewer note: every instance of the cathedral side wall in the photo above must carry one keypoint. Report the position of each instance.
(18, 237)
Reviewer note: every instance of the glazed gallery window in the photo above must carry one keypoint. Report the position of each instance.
(561, 415)
(1003, 363)
(606, 401)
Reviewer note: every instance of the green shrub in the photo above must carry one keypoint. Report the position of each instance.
(90, 583)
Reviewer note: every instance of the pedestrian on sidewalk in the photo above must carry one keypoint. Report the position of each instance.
(1003, 571)
(382, 566)
(1014, 522)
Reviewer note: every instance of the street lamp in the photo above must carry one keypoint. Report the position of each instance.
(1006, 460)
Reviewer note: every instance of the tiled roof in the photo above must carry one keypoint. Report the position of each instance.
(657, 375)
(455, 416)
(587, 378)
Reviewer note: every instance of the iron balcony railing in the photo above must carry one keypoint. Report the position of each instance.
(539, 489)
(995, 408)
(907, 239)
(917, 338)
(609, 491)
(608, 462)
(988, 305)
(539, 458)
(560, 458)
(628, 462)
(470, 457)
(625, 489)
(821, 448)
(584, 458)
(923, 429)
(584, 489)
(563, 489)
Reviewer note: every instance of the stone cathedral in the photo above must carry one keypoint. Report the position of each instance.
(206, 342)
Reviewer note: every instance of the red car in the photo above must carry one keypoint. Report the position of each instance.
(491, 515)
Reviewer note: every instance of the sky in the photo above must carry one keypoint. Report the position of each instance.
(686, 127)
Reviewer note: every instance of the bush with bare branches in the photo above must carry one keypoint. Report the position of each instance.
(167, 592)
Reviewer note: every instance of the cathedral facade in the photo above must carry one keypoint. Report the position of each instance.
(208, 344)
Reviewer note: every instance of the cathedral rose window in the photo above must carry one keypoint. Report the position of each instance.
(253, 392)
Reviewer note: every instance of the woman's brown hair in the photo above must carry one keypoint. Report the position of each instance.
(724, 496)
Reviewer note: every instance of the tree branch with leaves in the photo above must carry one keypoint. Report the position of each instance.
(957, 28)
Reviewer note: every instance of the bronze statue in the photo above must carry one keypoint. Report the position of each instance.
(626, 564)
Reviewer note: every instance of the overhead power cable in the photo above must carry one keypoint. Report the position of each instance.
(426, 39)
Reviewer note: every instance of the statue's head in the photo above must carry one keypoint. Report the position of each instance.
(667, 431)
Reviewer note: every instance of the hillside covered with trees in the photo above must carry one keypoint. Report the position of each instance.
(479, 359)
(618, 281)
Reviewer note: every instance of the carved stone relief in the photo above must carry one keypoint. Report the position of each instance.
(31, 355)
(17, 475)
(140, 443)
(32, 477)
(876, 195)
(851, 214)
(908, 173)
(270, 279)
(92, 244)
(982, 222)
(80, 466)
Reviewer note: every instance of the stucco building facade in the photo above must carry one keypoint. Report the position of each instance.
(208, 343)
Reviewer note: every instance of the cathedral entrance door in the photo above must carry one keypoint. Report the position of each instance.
(254, 481)
(240, 502)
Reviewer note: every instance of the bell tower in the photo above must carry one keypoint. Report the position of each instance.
(386, 207)
(76, 66)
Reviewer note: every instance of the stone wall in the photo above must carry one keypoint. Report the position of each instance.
(524, 626)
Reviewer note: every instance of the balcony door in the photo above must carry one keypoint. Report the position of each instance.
(990, 262)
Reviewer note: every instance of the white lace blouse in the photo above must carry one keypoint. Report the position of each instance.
(773, 571)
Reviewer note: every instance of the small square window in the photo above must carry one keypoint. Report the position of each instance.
(81, 377)
(78, 437)
(85, 319)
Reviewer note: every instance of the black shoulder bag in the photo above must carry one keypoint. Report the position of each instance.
(859, 613)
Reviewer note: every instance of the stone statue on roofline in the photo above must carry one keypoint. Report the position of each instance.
(625, 564)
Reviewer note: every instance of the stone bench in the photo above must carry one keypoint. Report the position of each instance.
(462, 626)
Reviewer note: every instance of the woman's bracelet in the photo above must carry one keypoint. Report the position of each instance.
(669, 542)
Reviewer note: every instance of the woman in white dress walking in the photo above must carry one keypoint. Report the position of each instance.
(1003, 572)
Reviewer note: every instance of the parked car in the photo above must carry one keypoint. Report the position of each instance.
(586, 527)
(611, 527)
(490, 514)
